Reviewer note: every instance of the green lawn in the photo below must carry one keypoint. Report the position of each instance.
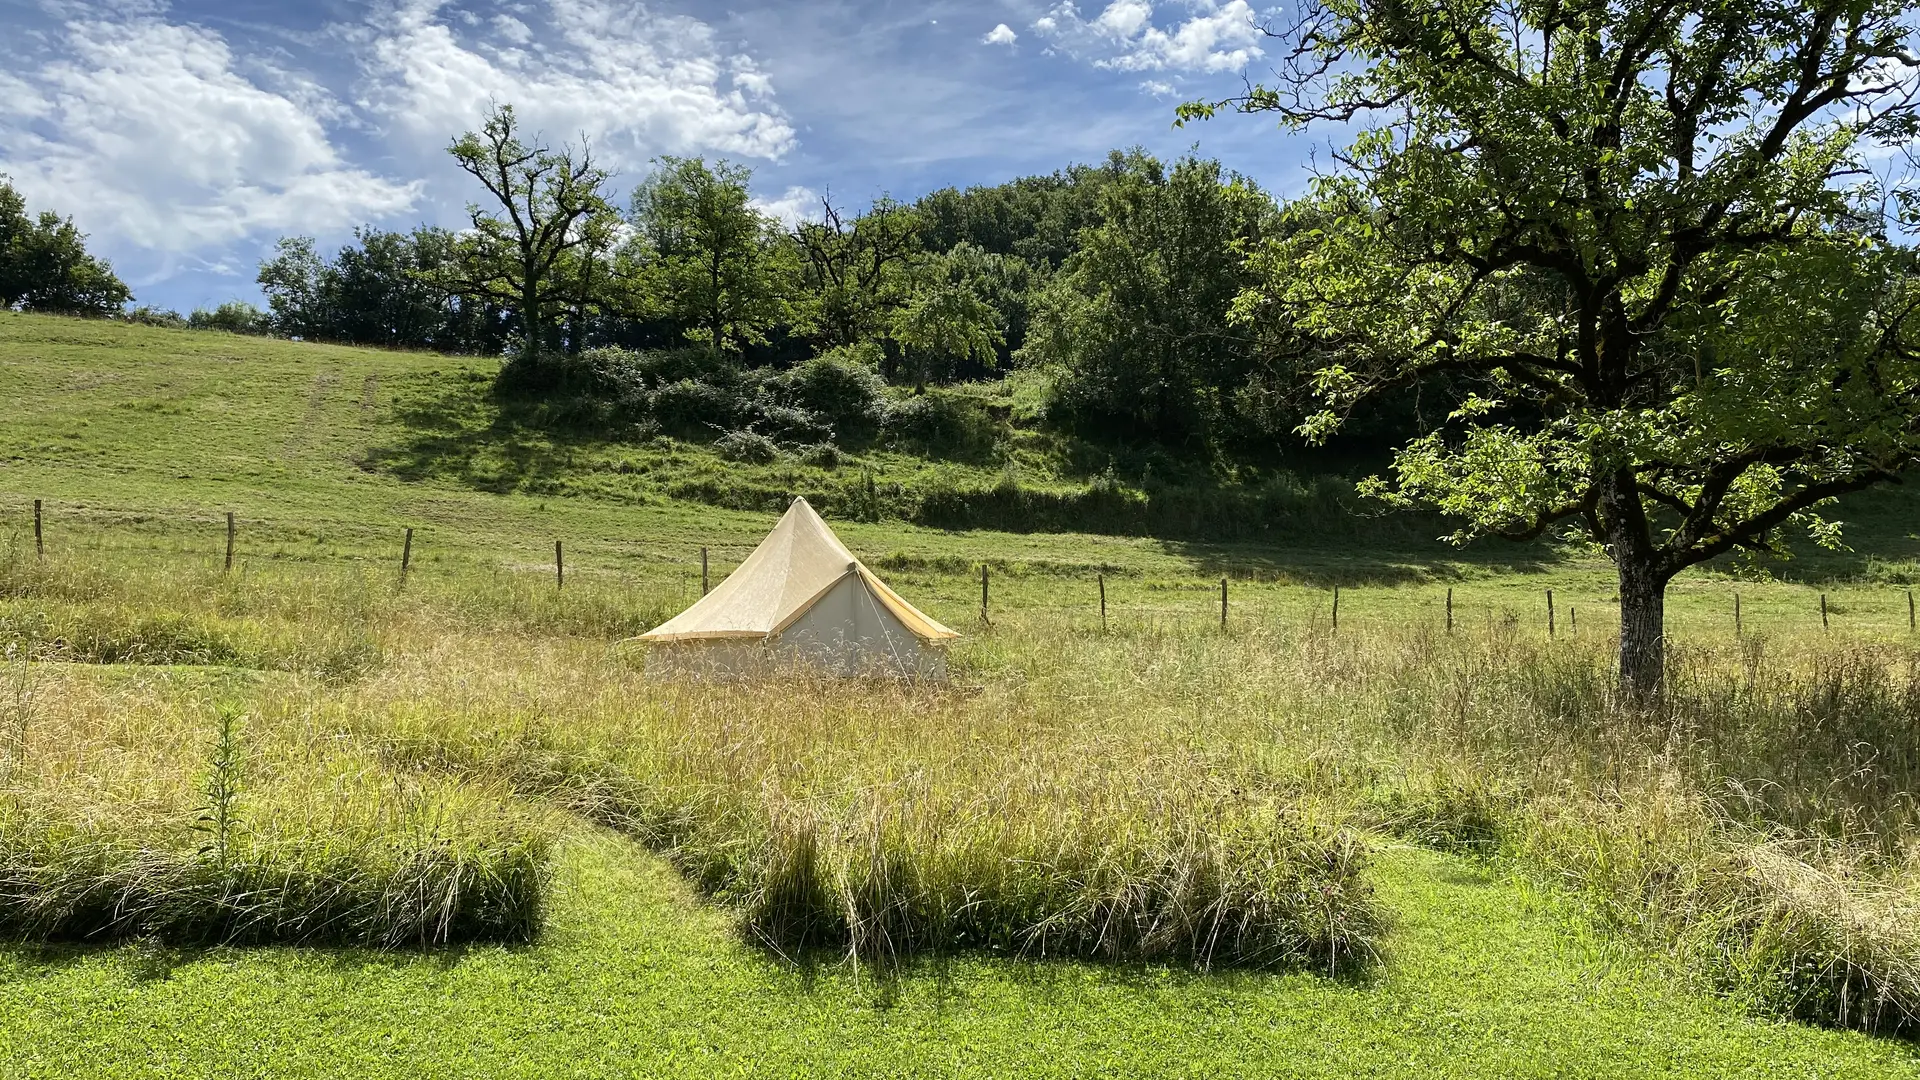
(140, 440)
(637, 978)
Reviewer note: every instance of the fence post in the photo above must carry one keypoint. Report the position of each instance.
(39, 546)
(229, 539)
(1336, 609)
(1223, 603)
(406, 552)
(1823, 612)
(559, 567)
(703, 572)
(1573, 620)
(1103, 603)
(1909, 611)
(983, 595)
(1737, 629)
(1449, 609)
(1550, 627)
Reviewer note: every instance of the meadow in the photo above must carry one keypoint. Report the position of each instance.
(307, 812)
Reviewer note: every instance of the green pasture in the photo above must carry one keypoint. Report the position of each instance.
(138, 442)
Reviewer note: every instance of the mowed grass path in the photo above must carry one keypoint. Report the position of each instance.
(140, 440)
(638, 978)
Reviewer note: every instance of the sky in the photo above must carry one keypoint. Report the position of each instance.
(185, 138)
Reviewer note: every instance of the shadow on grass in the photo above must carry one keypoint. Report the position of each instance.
(147, 960)
(1406, 560)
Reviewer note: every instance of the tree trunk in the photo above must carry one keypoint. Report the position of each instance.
(1643, 641)
(530, 316)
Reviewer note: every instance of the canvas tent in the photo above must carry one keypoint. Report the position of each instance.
(801, 600)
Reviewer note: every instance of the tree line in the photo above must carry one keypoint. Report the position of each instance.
(1116, 279)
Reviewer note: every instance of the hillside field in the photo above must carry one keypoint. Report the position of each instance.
(308, 818)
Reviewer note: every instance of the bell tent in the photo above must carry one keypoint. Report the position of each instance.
(801, 600)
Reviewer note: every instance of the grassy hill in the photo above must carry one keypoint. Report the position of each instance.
(1532, 885)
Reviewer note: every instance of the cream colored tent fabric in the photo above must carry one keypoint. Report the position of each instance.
(802, 598)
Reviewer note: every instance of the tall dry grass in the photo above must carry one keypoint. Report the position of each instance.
(888, 820)
(124, 812)
(1160, 791)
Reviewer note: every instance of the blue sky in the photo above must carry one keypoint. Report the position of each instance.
(186, 137)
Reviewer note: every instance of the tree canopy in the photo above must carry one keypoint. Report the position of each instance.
(44, 265)
(539, 240)
(1648, 234)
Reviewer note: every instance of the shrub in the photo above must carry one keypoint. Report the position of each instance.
(161, 317)
(233, 317)
(689, 407)
(748, 447)
(821, 456)
(841, 388)
(942, 425)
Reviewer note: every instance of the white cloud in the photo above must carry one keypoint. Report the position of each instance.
(793, 206)
(637, 84)
(148, 134)
(1159, 88)
(1001, 35)
(512, 29)
(1213, 37)
(1124, 18)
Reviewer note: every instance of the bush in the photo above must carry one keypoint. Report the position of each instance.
(161, 317)
(748, 447)
(842, 389)
(942, 425)
(233, 317)
(690, 408)
(821, 456)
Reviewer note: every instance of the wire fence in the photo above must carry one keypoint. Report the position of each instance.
(1111, 594)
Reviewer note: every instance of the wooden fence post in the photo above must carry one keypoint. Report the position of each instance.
(229, 539)
(1823, 612)
(1550, 627)
(704, 588)
(1909, 611)
(406, 552)
(1449, 609)
(1223, 603)
(1103, 603)
(1573, 620)
(983, 595)
(1336, 609)
(559, 567)
(39, 545)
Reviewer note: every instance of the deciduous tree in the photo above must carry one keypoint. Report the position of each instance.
(547, 208)
(1647, 229)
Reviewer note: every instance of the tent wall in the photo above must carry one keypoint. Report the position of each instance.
(849, 632)
(846, 632)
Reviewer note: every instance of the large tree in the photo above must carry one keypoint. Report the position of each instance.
(547, 214)
(856, 274)
(1646, 228)
(44, 265)
(1136, 323)
(946, 320)
(703, 255)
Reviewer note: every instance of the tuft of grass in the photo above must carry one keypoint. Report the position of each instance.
(131, 815)
(887, 822)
